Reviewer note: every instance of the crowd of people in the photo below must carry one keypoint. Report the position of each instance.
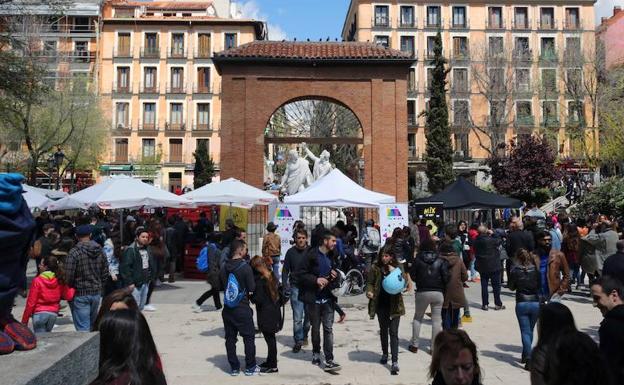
(108, 273)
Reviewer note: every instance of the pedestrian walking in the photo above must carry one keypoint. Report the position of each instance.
(317, 281)
(43, 245)
(237, 278)
(454, 297)
(487, 257)
(86, 270)
(46, 292)
(267, 300)
(454, 359)
(212, 276)
(138, 267)
(554, 271)
(295, 263)
(430, 275)
(524, 279)
(272, 248)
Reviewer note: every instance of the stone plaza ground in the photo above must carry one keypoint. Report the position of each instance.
(192, 347)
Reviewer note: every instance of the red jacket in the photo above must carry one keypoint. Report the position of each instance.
(45, 294)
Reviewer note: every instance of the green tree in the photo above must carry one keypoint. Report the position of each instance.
(607, 199)
(204, 168)
(439, 151)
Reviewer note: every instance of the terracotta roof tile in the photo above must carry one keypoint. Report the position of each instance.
(312, 51)
(164, 5)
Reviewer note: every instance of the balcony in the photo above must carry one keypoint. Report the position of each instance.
(405, 24)
(521, 25)
(81, 28)
(201, 54)
(548, 57)
(122, 53)
(121, 89)
(574, 122)
(175, 129)
(412, 120)
(523, 90)
(523, 55)
(434, 23)
(381, 22)
(200, 129)
(495, 24)
(461, 55)
(464, 25)
(176, 53)
(546, 25)
(150, 89)
(525, 121)
(176, 88)
(147, 129)
(82, 56)
(412, 89)
(462, 155)
(572, 25)
(150, 53)
(550, 122)
(412, 153)
(122, 129)
(460, 88)
(410, 52)
(428, 54)
(204, 89)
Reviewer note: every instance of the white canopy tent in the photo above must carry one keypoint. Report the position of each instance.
(52, 194)
(34, 199)
(338, 190)
(120, 192)
(230, 191)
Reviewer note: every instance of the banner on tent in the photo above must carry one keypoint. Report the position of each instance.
(392, 216)
(284, 217)
(431, 212)
(239, 216)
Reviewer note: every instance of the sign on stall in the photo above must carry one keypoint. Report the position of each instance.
(391, 216)
(431, 212)
(284, 216)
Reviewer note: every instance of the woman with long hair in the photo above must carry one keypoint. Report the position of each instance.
(117, 300)
(159, 251)
(46, 292)
(571, 246)
(128, 355)
(388, 307)
(554, 319)
(454, 359)
(524, 278)
(267, 300)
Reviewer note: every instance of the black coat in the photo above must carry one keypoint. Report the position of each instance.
(267, 311)
(614, 266)
(430, 272)
(487, 254)
(612, 342)
(307, 280)
(526, 281)
(519, 239)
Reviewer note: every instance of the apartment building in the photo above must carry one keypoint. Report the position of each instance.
(159, 86)
(610, 32)
(512, 67)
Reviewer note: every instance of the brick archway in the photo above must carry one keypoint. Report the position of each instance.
(259, 77)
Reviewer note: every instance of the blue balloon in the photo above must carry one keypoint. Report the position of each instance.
(394, 283)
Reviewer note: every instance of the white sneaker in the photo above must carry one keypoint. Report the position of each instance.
(149, 308)
(196, 308)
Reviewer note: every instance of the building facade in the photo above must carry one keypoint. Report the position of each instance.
(514, 69)
(610, 33)
(159, 87)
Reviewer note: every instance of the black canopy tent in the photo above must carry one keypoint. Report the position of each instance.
(463, 195)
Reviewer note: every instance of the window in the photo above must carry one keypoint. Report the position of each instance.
(460, 113)
(382, 18)
(175, 117)
(203, 45)
(433, 16)
(549, 81)
(495, 17)
(81, 24)
(497, 80)
(429, 76)
(521, 48)
(523, 80)
(149, 149)
(431, 42)
(230, 41)
(460, 47)
(49, 47)
(411, 80)
(177, 45)
(203, 116)
(383, 41)
(547, 18)
(462, 148)
(524, 110)
(175, 150)
(177, 79)
(411, 146)
(573, 49)
(497, 112)
(81, 51)
(149, 116)
(407, 16)
(549, 113)
(521, 18)
(149, 79)
(123, 44)
(496, 45)
(407, 45)
(575, 112)
(411, 113)
(203, 143)
(123, 79)
(574, 82)
(203, 79)
(548, 48)
(460, 79)
(572, 18)
(80, 82)
(121, 150)
(122, 115)
(459, 17)
(151, 44)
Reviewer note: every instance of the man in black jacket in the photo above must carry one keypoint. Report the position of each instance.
(608, 295)
(294, 265)
(488, 265)
(316, 282)
(614, 264)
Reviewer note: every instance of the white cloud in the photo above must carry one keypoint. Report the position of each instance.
(604, 8)
(250, 9)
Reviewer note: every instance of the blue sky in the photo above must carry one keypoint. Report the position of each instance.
(316, 19)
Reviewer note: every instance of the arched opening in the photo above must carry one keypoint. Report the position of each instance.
(322, 125)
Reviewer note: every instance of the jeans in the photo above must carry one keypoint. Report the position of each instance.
(322, 314)
(43, 322)
(271, 360)
(84, 311)
(527, 313)
(301, 321)
(473, 271)
(215, 296)
(140, 295)
(424, 299)
(388, 326)
(494, 277)
(239, 321)
(450, 318)
(276, 266)
(575, 271)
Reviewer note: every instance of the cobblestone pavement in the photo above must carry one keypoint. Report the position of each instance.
(192, 345)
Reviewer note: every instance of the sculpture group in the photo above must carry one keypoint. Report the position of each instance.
(297, 175)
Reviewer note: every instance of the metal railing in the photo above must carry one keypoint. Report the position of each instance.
(174, 126)
(118, 88)
(434, 23)
(203, 88)
(464, 25)
(153, 89)
(550, 122)
(201, 54)
(148, 126)
(122, 53)
(381, 21)
(521, 25)
(82, 56)
(412, 153)
(572, 25)
(176, 88)
(176, 53)
(548, 25)
(492, 24)
(412, 120)
(408, 23)
(150, 52)
(525, 121)
(203, 126)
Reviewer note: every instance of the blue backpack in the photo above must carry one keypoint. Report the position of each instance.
(234, 292)
(202, 262)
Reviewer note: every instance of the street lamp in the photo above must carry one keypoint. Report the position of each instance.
(58, 161)
(360, 210)
(51, 164)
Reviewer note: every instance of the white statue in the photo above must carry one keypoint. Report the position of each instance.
(268, 170)
(297, 175)
(322, 166)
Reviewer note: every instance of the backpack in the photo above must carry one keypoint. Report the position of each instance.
(202, 263)
(234, 292)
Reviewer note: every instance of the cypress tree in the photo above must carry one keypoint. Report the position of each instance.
(439, 151)
(204, 168)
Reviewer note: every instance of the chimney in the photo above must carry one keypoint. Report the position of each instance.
(603, 20)
(616, 9)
